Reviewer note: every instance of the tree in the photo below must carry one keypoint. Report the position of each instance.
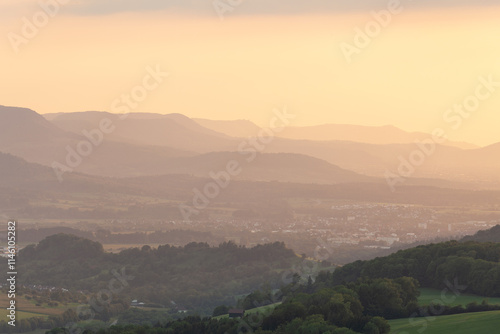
(220, 310)
(381, 324)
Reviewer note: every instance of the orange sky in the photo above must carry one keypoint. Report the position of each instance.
(420, 65)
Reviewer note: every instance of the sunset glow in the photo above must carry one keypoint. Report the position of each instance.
(241, 67)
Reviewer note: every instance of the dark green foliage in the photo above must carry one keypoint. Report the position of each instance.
(377, 325)
(61, 247)
(491, 235)
(258, 298)
(471, 265)
(195, 277)
(220, 310)
(142, 317)
(336, 310)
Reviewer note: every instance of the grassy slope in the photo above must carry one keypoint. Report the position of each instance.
(266, 310)
(28, 309)
(481, 322)
(429, 295)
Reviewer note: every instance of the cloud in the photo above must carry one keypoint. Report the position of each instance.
(99, 7)
(241, 7)
(257, 7)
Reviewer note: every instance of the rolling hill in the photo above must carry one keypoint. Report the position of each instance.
(281, 167)
(28, 135)
(154, 144)
(380, 135)
(22, 125)
(183, 134)
(491, 235)
(28, 185)
(480, 322)
(237, 128)
(172, 130)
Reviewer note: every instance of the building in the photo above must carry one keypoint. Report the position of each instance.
(236, 313)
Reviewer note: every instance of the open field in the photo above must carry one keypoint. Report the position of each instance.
(466, 323)
(266, 310)
(28, 309)
(429, 295)
(20, 314)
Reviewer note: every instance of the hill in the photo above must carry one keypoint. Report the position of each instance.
(366, 150)
(32, 176)
(162, 274)
(380, 135)
(15, 170)
(491, 235)
(28, 135)
(481, 322)
(472, 267)
(237, 128)
(281, 167)
(32, 190)
(359, 297)
(142, 144)
(266, 167)
(171, 130)
(22, 125)
(429, 296)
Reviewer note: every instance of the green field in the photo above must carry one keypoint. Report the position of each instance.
(429, 295)
(266, 310)
(466, 323)
(20, 315)
(27, 308)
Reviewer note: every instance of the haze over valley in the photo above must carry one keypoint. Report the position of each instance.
(236, 167)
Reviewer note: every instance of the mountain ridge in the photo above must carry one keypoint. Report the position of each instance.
(145, 144)
(382, 135)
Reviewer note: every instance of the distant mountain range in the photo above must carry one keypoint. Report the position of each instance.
(154, 144)
(379, 135)
(172, 130)
(33, 190)
(129, 149)
(237, 128)
(283, 167)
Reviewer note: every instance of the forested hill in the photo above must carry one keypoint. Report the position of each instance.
(491, 235)
(197, 277)
(356, 298)
(473, 265)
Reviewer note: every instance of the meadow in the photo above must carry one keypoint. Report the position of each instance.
(480, 322)
(27, 309)
(429, 295)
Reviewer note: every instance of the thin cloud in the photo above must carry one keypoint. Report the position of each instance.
(257, 7)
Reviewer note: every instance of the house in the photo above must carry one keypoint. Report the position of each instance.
(236, 313)
(136, 303)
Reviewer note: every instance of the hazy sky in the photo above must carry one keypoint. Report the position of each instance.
(263, 54)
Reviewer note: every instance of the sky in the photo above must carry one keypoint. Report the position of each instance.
(231, 59)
